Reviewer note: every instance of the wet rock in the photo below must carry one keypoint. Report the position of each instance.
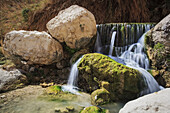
(54, 90)
(33, 46)
(100, 96)
(157, 43)
(11, 80)
(70, 108)
(122, 82)
(75, 26)
(158, 102)
(64, 110)
(77, 55)
(57, 110)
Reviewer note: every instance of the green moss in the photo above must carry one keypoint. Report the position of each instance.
(94, 109)
(159, 49)
(69, 50)
(150, 71)
(25, 14)
(159, 46)
(54, 89)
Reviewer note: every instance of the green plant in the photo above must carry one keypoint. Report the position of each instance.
(25, 14)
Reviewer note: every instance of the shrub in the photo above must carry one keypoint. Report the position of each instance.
(25, 14)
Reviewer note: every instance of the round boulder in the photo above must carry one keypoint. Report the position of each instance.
(158, 102)
(75, 26)
(100, 71)
(36, 47)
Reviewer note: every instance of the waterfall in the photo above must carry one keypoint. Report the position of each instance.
(129, 49)
(112, 42)
(72, 81)
(135, 58)
(98, 43)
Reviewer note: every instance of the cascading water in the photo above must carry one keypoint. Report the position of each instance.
(112, 42)
(72, 81)
(130, 53)
(98, 43)
(135, 58)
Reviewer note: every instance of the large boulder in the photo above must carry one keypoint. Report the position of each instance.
(157, 44)
(75, 26)
(33, 46)
(11, 80)
(158, 102)
(99, 71)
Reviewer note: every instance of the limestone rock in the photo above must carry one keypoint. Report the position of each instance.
(157, 44)
(33, 46)
(11, 80)
(158, 102)
(75, 26)
(122, 82)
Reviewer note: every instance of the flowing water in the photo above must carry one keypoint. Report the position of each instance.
(112, 42)
(136, 58)
(130, 52)
(72, 81)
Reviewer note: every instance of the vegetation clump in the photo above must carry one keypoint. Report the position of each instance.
(25, 14)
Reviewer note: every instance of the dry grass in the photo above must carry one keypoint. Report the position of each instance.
(11, 13)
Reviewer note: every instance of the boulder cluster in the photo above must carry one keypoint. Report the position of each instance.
(74, 26)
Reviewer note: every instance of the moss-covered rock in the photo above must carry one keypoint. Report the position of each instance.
(94, 109)
(12, 79)
(123, 83)
(157, 42)
(100, 96)
(54, 89)
(55, 93)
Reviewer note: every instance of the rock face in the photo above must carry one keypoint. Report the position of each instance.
(99, 71)
(153, 103)
(105, 11)
(11, 79)
(157, 44)
(75, 26)
(36, 47)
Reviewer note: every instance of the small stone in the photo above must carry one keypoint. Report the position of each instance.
(57, 110)
(44, 85)
(64, 110)
(70, 108)
(3, 96)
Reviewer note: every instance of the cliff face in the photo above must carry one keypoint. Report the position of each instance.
(105, 11)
